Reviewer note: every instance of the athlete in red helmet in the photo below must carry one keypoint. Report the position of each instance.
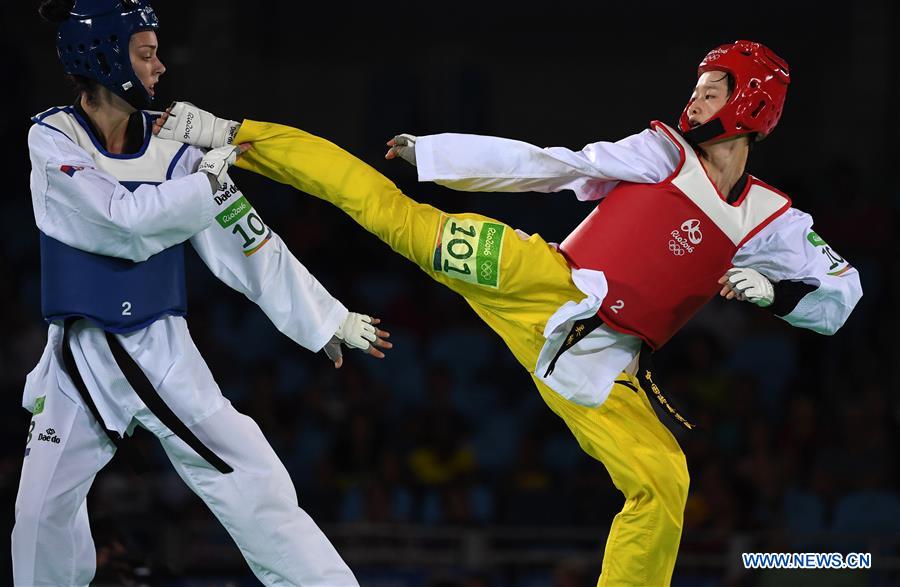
(680, 221)
(757, 86)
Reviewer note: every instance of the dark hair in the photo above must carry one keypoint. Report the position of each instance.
(729, 81)
(56, 11)
(85, 86)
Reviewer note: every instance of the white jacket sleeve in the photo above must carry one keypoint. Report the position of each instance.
(481, 163)
(85, 208)
(242, 251)
(789, 250)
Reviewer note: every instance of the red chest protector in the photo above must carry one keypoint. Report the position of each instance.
(663, 247)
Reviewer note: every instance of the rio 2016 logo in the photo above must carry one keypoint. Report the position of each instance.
(678, 245)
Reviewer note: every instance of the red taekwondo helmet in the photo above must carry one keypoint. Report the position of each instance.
(760, 80)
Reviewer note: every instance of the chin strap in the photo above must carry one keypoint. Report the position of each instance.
(705, 132)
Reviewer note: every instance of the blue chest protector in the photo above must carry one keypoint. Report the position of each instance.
(117, 295)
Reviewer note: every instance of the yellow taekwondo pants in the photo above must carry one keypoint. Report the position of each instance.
(514, 285)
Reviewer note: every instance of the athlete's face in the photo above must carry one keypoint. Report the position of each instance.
(708, 98)
(144, 59)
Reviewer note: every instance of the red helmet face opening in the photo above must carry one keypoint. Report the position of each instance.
(760, 80)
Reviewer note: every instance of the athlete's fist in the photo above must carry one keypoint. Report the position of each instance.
(216, 163)
(403, 146)
(746, 284)
(185, 123)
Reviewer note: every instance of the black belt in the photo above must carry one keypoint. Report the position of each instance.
(645, 377)
(145, 391)
(582, 328)
(75, 376)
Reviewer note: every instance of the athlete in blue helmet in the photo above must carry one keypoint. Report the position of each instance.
(114, 206)
(94, 42)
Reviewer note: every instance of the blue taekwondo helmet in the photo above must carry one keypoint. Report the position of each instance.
(93, 43)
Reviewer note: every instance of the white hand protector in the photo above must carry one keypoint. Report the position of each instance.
(405, 148)
(751, 286)
(188, 124)
(357, 331)
(217, 162)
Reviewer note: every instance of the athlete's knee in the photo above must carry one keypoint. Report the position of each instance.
(26, 524)
(676, 496)
(681, 478)
(673, 490)
(50, 513)
(30, 511)
(664, 490)
(35, 525)
(237, 439)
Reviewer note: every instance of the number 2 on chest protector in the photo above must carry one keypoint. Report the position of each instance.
(469, 250)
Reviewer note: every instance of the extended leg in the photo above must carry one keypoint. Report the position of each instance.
(257, 504)
(509, 281)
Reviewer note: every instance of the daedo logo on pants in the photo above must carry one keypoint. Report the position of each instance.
(49, 436)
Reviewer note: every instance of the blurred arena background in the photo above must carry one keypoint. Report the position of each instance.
(440, 466)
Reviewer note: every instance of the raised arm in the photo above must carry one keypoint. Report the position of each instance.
(797, 275)
(247, 255)
(481, 163)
